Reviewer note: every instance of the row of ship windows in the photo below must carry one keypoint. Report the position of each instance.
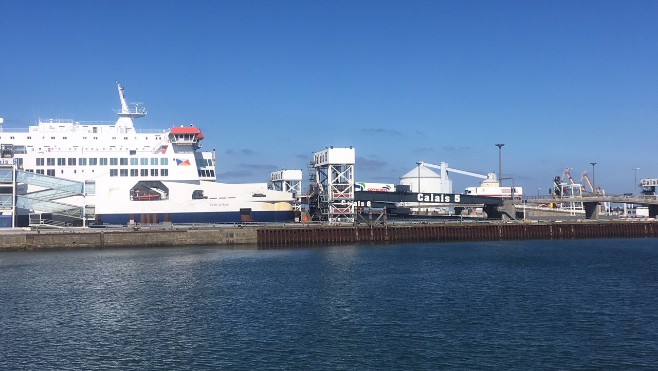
(154, 172)
(103, 161)
(142, 172)
(113, 161)
(133, 172)
(113, 172)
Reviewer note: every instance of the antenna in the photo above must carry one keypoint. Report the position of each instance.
(125, 109)
(122, 97)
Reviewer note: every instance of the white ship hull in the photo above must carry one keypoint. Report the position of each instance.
(224, 203)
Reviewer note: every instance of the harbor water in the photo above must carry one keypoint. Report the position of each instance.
(542, 304)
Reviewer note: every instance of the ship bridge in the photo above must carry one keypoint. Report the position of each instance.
(186, 136)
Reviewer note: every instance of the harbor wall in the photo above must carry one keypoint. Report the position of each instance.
(88, 238)
(272, 236)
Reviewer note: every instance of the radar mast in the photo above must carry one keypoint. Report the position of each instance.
(126, 116)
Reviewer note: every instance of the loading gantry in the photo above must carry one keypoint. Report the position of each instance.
(331, 197)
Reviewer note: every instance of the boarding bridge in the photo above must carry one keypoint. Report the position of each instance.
(6, 196)
(44, 200)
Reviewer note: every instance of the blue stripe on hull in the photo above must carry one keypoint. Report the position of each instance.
(227, 217)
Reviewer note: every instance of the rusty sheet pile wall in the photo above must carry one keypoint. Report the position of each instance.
(273, 236)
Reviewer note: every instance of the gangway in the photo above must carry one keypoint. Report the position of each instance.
(54, 188)
(51, 182)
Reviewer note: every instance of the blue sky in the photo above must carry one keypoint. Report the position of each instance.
(561, 83)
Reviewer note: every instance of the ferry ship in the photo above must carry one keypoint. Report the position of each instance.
(87, 173)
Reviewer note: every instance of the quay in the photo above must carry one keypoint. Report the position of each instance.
(301, 235)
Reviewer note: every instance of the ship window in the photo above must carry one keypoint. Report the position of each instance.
(123, 161)
(94, 130)
(103, 161)
(64, 138)
(53, 138)
(84, 138)
(40, 161)
(29, 170)
(93, 161)
(164, 161)
(50, 161)
(50, 172)
(133, 152)
(134, 172)
(164, 172)
(114, 138)
(143, 161)
(134, 161)
(61, 161)
(95, 137)
(82, 161)
(212, 173)
(40, 171)
(123, 172)
(154, 172)
(71, 161)
(114, 172)
(29, 137)
(125, 138)
(144, 172)
(114, 161)
(154, 160)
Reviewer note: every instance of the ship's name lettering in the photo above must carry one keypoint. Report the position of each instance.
(7, 161)
(218, 204)
(438, 198)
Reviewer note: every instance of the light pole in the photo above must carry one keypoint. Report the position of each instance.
(513, 186)
(635, 169)
(419, 163)
(538, 191)
(419, 208)
(593, 178)
(500, 162)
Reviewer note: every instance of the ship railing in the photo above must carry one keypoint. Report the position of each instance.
(152, 131)
(14, 130)
(37, 222)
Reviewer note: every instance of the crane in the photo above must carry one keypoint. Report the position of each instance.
(567, 175)
(589, 182)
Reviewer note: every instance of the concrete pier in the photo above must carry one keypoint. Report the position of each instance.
(131, 238)
(272, 236)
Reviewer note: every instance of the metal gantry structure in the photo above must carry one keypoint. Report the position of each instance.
(332, 185)
(288, 181)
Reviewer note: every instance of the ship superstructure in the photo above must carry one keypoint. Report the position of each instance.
(129, 175)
